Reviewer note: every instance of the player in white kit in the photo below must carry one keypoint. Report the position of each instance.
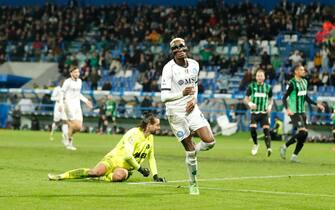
(59, 116)
(71, 104)
(179, 94)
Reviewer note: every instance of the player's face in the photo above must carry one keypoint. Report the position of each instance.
(153, 128)
(75, 74)
(260, 77)
(179, 49)
(300, 71)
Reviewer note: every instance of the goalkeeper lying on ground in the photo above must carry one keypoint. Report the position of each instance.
(135, 146)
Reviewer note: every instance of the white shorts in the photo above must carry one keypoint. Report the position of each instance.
(59, 115)
(182, 124)
(73, 111)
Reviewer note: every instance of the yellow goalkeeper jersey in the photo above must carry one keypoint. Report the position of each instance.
(133, 149)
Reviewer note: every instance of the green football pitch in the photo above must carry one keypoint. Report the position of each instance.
(229, 177)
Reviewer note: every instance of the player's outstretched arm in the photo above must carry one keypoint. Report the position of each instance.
(153, 167)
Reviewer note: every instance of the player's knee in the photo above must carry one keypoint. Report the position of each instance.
(94, 173)
(266, 131)
(210, 145)
(119, 175)
(302, 136)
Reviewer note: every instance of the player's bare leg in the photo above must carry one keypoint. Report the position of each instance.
(74, 126)
(207, 139)
(192, 164)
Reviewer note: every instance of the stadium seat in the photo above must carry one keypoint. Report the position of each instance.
(219, 50)
(234, 50)
(226, 50)
(294, 38)
(211, 75)
(202, 74)
(274, 50)
(264, 43)
(287, 38)
(227, 128)
(128, 73)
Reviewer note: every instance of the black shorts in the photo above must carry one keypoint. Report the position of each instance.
(261, 118)
(298, 120)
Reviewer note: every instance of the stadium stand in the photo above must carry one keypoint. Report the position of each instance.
(122, 48)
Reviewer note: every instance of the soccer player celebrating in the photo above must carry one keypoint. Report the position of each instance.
(134, 147)
(70, 101)
(59, 116)
(259, 99)
(179, 94)
(295, 108)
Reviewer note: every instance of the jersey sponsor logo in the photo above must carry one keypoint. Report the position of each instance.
(180, 82)
(187, 81)
(180, 134)
(302, 93)
(260, 95)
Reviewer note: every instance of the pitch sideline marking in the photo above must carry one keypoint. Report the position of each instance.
(244, 190)
(239, 178)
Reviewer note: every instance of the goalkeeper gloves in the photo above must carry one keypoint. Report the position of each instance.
(158, 179)
(144, 171)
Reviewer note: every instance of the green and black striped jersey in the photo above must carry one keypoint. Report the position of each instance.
(259, 95)
(297, 93)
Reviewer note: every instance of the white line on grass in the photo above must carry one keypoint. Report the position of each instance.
(240, 178)
(156, 184)
(261, 191)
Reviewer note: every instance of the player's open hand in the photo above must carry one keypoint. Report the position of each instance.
(289, 112)
(158, 179)
(144, 171)
(188, 91)
(252, 106)
(321, 107)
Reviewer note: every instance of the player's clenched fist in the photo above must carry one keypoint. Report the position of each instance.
(188, 91)
(144, 171)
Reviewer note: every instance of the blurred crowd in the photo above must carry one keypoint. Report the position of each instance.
(116, 38)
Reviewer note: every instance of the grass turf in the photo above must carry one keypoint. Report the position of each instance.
(242, 181)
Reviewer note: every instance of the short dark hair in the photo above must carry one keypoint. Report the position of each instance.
(148, 119)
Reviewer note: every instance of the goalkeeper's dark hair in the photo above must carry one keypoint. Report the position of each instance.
(148, 119)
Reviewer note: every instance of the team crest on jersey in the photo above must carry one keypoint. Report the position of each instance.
(194, 70)
(180, 134)
(148, 146)
(180, 82)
